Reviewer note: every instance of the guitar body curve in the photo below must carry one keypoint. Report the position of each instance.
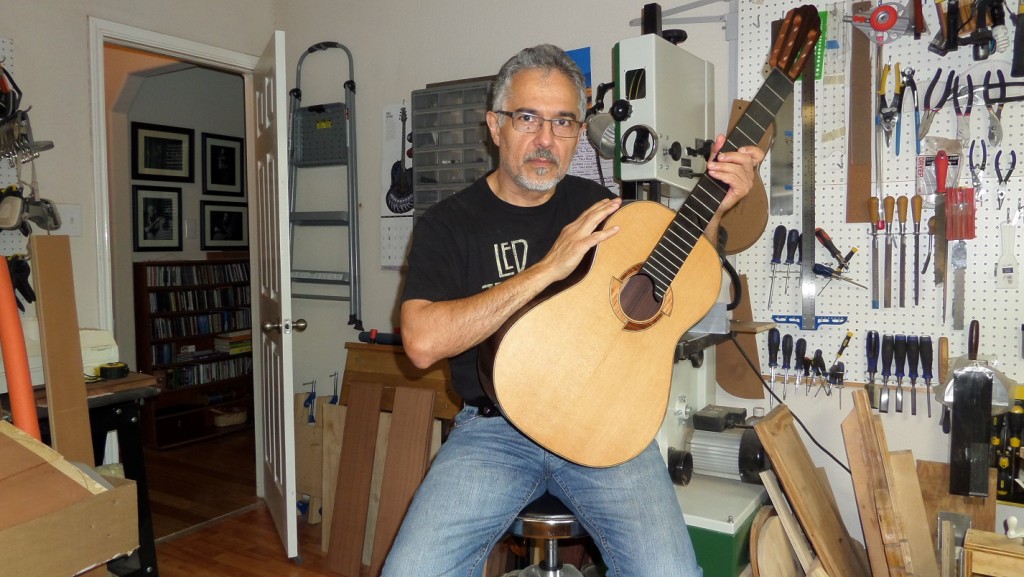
(577, 372)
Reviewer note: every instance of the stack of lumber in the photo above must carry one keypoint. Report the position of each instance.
(898, 502)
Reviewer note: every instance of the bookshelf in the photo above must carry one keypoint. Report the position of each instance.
(191, 317)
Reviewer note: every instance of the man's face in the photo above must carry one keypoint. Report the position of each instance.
(536, 161)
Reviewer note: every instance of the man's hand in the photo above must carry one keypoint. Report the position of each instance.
(577, 238)
(735, 169)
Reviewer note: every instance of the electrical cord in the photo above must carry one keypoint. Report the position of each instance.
(757, 372)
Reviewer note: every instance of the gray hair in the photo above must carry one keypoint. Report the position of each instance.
(545, 56)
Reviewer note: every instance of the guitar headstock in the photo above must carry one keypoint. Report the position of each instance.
(797, 36)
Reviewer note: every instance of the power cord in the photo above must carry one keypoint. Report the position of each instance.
(757, 371)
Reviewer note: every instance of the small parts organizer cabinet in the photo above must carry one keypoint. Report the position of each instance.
(449, 140)
(180, 309)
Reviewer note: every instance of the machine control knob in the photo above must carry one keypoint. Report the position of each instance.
(680, 466)
(621, 110)
(675, 151)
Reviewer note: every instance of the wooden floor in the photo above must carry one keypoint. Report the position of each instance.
(201, 481)
(243, 545)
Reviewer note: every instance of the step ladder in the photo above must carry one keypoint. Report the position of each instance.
(325, 135)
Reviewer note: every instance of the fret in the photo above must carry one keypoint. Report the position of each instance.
(665, 275)
(667, 239)
(684, 229)
(668, 260)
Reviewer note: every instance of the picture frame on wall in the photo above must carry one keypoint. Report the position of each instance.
(225, 225)
(162, 152)
(156, 218)
(223, 165)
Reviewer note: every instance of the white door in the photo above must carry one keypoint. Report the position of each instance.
(272, 266)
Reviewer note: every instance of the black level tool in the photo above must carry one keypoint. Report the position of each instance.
(873, 344)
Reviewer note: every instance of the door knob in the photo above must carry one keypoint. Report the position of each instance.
(298, 326)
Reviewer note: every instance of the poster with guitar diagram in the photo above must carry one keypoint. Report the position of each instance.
(396, 194)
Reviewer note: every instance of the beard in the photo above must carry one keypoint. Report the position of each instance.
(546, 178)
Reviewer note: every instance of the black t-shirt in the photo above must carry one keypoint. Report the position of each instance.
(473, 240)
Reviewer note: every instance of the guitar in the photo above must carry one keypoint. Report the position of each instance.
(399, 196)
(584, 370)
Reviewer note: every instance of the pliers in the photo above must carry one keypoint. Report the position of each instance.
(1003, 179)
(963, 113)
(931, 111)
(995, 109)
(978, 172)
(888, 113)
(907, 85)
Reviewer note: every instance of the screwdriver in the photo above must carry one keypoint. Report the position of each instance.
(773, 360)
(887, 346)
(835, 376)
(800, 361)
(913, 352)
(821, 372)
(778, 241)
(787, 355)
(822, 270)
(873, 344)
(842, 347)
(926, 369)
(826, 241)
(808, 382)
(792, 243)
(901, 363)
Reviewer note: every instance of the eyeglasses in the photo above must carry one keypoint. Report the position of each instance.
(530, 123)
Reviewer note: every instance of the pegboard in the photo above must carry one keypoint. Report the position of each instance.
(1000, 312)
(11, 241)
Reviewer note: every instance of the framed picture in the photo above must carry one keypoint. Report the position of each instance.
(223, 165)
(225, 225)
(156, 218)
(162, 152)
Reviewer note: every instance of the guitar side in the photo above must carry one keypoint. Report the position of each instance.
(577, 374)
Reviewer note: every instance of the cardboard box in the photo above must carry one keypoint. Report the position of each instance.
(57, 520)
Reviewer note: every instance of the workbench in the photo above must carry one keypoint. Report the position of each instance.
(114, 405)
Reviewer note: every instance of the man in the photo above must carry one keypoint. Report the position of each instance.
(476, 259)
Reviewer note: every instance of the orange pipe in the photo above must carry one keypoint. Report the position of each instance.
(19, 379)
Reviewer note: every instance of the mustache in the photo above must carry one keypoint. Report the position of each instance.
(542, 155)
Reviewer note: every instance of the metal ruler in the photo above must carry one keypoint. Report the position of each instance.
(807, 150)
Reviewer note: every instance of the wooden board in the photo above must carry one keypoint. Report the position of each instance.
(934, 481)
(797, 539)
(61, 347)
(389, 366)
(352, 491)
(907, 492)
(733, 373)
(796, 472)
(987, 553)
(333, 417)
(865, 498)
(308, 449)
(404, 468)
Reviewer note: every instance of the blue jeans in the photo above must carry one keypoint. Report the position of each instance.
(487, 472)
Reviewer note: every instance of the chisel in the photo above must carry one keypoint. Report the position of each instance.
(926, 369)
(901, 207)
(873, 344)
(916, 204)
(913, 353)
(900, 347)
(890, 207)
(887, 350)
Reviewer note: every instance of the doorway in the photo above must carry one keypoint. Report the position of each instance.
(207, 479)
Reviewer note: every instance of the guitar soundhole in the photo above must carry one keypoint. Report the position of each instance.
(637, 298)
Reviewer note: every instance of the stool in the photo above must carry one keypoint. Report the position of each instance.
(549, 520)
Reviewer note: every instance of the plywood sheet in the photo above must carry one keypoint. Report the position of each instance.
(934, 481)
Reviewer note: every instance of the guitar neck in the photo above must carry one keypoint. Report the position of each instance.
(669, 255)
